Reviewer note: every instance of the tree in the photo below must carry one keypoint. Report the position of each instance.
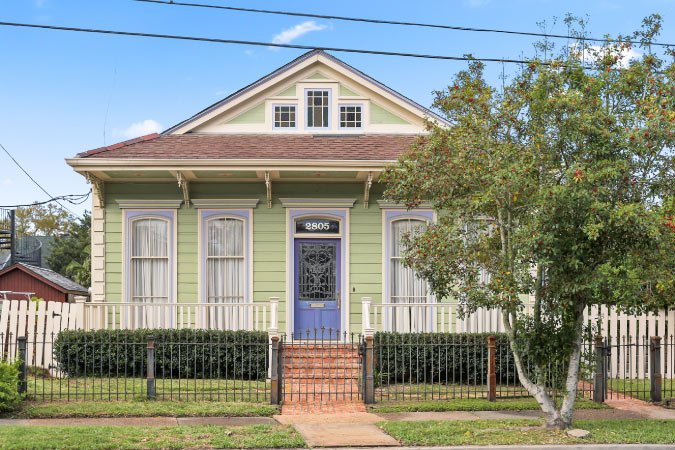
(560, 186)
(42, 220)
(71, 253)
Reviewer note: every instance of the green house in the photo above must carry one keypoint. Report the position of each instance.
(270, 193)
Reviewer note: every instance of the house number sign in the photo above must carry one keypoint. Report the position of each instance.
(316, 226)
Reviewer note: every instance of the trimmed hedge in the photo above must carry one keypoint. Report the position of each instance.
(441, 358)
(9, 384)
(185, 353)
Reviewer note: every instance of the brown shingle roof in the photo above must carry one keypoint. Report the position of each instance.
(258, 146)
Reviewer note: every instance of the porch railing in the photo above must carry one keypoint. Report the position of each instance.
(431, 318)
(210, 316)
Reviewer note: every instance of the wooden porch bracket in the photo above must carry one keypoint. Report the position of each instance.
(268, 186)
(184, 184)
(366, 191)
(98, 187)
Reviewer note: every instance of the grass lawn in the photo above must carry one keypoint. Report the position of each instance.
(639, 388)
(103, 388)
(56, 410)
(474, 404)
(100, 438)
(523, 432)
(439, 391)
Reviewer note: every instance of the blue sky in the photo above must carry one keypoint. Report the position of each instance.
(62, 92)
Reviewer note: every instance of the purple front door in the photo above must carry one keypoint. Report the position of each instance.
(317, 288)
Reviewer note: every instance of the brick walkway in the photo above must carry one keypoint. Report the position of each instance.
(321, 378)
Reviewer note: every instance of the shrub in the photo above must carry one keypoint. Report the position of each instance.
(9, 384)
(185, 353)
(441, 357)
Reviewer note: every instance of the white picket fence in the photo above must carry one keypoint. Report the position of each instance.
(620, 330)
(41, 322)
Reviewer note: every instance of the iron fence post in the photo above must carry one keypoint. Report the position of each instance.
(492, 372)
(275, 376)
(151, 367)
(600, 380)
(655, 369)
(23, 386)
(368, 354)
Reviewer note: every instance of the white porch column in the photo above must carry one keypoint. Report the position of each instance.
(273, 327)
(365, 319)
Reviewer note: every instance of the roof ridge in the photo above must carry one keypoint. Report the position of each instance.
(146, 137)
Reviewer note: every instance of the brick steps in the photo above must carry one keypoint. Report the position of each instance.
(321, 377)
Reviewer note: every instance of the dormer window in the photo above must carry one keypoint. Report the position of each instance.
(350, 116)
(284, 116)
(318, 107)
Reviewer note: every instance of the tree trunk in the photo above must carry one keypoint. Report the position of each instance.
(559, 418)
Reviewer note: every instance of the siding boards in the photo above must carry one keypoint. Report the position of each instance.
(269, 238)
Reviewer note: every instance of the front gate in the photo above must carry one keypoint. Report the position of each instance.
(321, 366)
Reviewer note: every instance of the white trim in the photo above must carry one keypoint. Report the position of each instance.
(136, 164)
(249, 243)
(330, 108)
(386, 235)
(344, 237)
(245, 203)
(282, 79)
(294, 105)
(386, 204)
(148, 204)
(337, 203)
(126, 290)
(339, 119)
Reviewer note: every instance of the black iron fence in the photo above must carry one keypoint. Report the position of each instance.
(640, 368)
(151, 364)
(446, 366)
(325, 367)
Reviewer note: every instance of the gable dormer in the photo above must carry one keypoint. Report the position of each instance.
(315, 94)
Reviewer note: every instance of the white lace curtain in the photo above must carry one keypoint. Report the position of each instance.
(406, 287)
(225, 261)
(150, 261)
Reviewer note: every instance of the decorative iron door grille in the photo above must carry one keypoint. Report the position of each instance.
(317, 271)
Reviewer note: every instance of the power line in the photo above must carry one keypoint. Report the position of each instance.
(75, 199)
(33, 179)
(272, 44)
(396, 22)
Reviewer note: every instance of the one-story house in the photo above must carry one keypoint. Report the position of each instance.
(20, 279)
(270, 192)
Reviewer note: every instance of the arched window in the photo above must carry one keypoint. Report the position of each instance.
(405, 285)
(225, 260)
(150, 260)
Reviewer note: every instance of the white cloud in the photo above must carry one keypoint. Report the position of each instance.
(592, 52)
(137, 129)
(289, 35)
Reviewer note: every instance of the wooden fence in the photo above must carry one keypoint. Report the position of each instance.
(40, 322)
(617, 328)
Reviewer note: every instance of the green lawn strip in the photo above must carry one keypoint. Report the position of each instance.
(111, 388)
(647, 431)
(523, 432)
(57, 410)
(474, 404)
(638, 388)
(107, 437)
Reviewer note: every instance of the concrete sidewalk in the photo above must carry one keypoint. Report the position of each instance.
(527, 447)
(624, 410)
